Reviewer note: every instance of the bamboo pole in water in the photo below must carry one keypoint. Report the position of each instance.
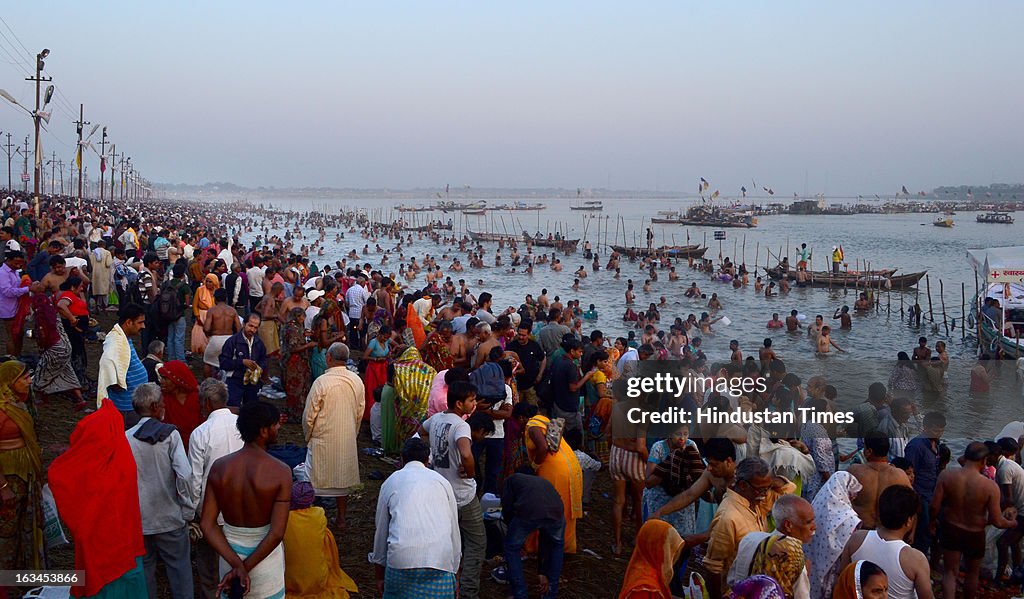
(757, 254)
(942, 303)
(977, 312)
(963, 310)
(928, 285)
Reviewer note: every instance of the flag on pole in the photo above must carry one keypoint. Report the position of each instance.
(704, 184)
(714, 195)
(78, 158)
(905, 192)
(103, 164)
(743, 190)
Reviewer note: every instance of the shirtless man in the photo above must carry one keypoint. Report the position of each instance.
(875, 476)
(862, 304)
(58, 274)
(766, 355)
(692, 290)
(297, 300)
(792, 322)
(221, 322)
(814, 330)
(252, 490)
(843, 315)
(462, 344)
(966, 501)
(486, 339)
(736, 355)
(825, 342)
(922, 352)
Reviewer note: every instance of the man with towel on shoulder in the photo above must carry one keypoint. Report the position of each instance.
(252, 490)
(120, 369)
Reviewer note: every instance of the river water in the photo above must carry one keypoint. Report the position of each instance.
(908, 242)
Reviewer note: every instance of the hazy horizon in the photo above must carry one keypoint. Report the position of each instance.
(801, 97)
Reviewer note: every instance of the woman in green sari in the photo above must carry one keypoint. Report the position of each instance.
(413, 378)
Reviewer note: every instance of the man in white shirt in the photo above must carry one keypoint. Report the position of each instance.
(210, 441)
(1010, 477)
(255, 275)
(356, 297)
(225, 254)
(164, 498)
(416, 547)
(451, 448)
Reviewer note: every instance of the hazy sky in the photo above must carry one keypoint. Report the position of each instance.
(857, 97)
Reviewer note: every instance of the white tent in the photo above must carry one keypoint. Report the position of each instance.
(999, 265)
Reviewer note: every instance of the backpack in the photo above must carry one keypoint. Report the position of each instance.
(489, 381)
(169, 304)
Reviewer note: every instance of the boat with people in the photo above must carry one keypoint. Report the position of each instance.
(594, 205)
(434, 226)
(551, 241)
(867, 279)
(520, 206)
(999, 218)
(709, 216)
(403, 208)
(945, 221)
(495, 237)
(447, 206)
(999, 306)
(674, 251)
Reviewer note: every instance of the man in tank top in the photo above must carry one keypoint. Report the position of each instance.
(907, 568)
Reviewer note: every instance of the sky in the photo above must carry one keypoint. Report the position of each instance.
(805, 97)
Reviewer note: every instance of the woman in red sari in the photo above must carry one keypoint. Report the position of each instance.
(181, 398)
(295, 360)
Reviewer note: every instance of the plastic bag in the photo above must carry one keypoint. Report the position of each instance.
(53, 532)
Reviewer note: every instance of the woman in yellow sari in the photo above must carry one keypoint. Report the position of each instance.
(202, 302)
(413, 378)
(21, 474)
(311, 566)
(560, 468)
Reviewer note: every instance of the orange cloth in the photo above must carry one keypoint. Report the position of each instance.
(94, 486)
(847, 585)
(412, 320)
(562, 470)
(652, 564)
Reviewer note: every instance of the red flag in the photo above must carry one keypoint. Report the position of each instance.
(103, 164)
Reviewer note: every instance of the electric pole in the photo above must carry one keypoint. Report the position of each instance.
(24, 173)
(10, 154)
(78, 157)
(86, 168)
(35, 118)
(103, 159)
(53, 173)
(60, 164)
(113, 161)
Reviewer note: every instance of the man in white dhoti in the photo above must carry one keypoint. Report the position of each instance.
(252, 490)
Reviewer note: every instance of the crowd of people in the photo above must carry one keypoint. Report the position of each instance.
(482, 409)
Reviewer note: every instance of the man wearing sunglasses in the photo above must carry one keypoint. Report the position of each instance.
(743, 510)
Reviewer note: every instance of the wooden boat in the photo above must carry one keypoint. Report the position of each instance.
(460, 207)
(475, 212)
(430, 227)
(723, 223)
(864, 281)
(415, 208)
(520, 206)
(1001, 218)
(495, 237)
(566, 245)
(675, 251)
(595, 205)
(775, 274)
(944, 221)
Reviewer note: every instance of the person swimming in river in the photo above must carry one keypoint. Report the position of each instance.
(843, 315)
(825, 342)
(692, 291)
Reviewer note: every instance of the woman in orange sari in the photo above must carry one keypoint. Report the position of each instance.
(560, 468)
(180, 392)
(653, 564)
(202, 302)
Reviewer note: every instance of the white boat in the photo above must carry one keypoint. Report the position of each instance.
(594, 205)
(1002, 272)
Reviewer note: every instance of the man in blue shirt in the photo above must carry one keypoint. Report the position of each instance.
(120, 369)
(923, 454)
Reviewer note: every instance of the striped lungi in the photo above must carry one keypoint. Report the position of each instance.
(418, 583)
(624, 464)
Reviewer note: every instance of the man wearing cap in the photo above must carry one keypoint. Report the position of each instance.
(315, 297)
